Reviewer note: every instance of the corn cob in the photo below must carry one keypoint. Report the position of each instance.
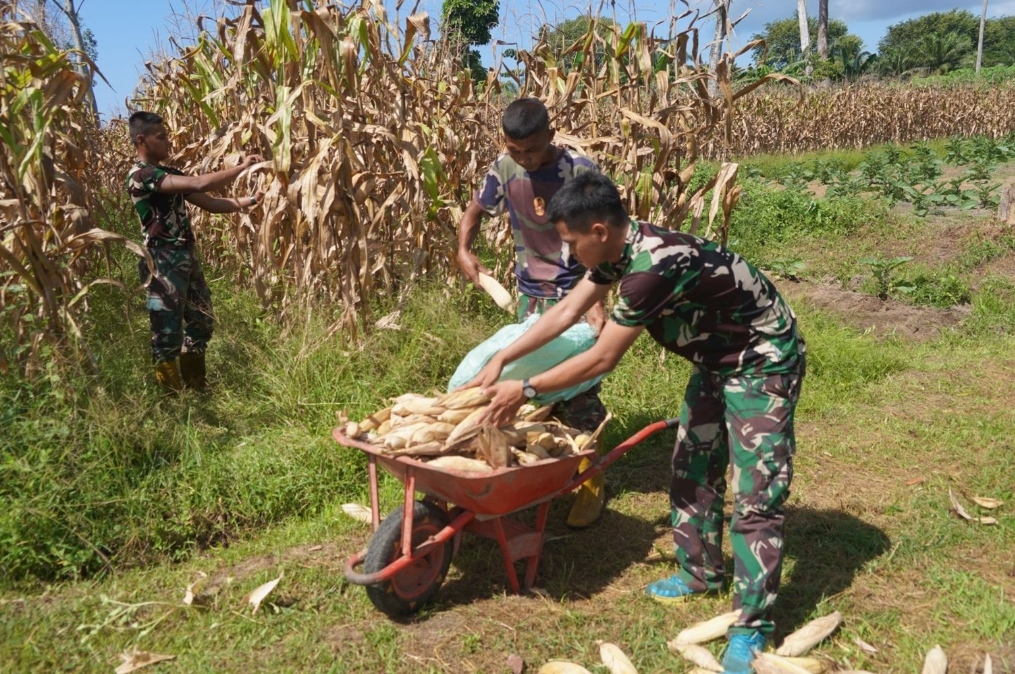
(466, 397)
(375, 420)
(493, 446)
(432, 448)
(615, 660)
(561, 667)
(413, 404)
(499, 293)
(466, 428)
(454, 416)
(805, 638)
(435, 431)
(698, 655)
(524, 458)
(777, 663)
(461, 463)
(707, 630)
(936, 662)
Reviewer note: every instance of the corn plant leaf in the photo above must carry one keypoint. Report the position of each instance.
(138, 659)
(257, 596)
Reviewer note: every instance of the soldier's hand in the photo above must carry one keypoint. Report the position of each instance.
(470, 265)
(250, 160)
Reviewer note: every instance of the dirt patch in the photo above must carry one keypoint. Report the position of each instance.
(320, 554)
(882, 318)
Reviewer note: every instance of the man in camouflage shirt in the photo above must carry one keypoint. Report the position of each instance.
(522, 181)
(709, 305)
(179, 302)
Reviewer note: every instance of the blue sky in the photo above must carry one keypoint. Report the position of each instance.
(128, 32)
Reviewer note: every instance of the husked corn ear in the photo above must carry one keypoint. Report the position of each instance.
(524, 458)
(615, 660)
(936, 662)
(435, 431)
(375, 420)
(538, 451)
(352, 430)
(707, 630)
(384, 427)
(413, 404)
(467, 427)
(466, 397)
(698, 655)
(776, 664)
(562, 667)
(811, 634)
(455, 416)
(499, 293)
(698, 670)
(539, 414)
(461, 463)
(399, 437)
(581, 440)
(432, 448)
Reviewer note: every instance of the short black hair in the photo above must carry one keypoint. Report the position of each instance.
(588, 198)
(525, 118)
(141, 124)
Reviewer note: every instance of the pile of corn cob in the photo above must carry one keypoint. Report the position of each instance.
(446, 432)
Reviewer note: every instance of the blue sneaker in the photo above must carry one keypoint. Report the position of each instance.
(740, 652)
(670, 590)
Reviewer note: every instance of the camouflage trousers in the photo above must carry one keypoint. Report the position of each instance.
(746, 420)
(179, 303)
(585, 411)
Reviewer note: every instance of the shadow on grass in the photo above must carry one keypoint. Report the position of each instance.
(574, 563)
(828, 549)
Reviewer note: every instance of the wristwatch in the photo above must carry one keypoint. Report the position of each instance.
(528, 390)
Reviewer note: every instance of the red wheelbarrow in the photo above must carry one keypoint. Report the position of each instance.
(411, 550)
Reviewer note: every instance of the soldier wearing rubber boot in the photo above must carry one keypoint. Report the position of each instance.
(707, 304)
(522, 181)
(179, 301)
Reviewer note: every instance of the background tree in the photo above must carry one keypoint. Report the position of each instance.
(783, 40)
(564, 34)
(805, 33)
(908, 37)
(823, 29)
(467, 23)
(938, 53)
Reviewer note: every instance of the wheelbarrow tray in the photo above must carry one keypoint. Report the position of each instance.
(501, 492)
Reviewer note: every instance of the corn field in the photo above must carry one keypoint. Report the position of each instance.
(864, 114)
(375, 137)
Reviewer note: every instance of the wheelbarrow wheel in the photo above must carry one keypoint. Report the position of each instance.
(412, 587)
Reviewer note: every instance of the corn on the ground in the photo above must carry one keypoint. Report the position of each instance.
(804, 639)
(615, 659)
(936, 662)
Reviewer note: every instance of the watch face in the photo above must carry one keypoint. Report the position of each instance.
(529, 392)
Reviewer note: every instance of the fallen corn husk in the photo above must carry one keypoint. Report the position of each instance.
(705, 631)
(812, 665)
(562, 667)
(461, 463)
(936, 662)
(499, 293)
(374, 420)
(698, 655)
(466, 428)
(988, 665)
(615, 659)
(776, 664)
(493, 447)
(961, 512)
(988, 503)
(804, 639)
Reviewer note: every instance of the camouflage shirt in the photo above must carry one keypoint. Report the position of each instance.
(703, 302)
(163, 216)
(544, 267)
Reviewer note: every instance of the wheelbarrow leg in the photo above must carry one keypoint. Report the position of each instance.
(532, 565)
(517, 542)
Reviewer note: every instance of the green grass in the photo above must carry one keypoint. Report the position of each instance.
(117, 497)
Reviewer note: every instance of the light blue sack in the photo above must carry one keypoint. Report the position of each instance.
(571, 342)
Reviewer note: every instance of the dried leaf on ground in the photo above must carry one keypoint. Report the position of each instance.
(984, 502)
(516, 664)
(865, 647)
(961, 512)
(138, 659)
(257, 596)
(194, 589)
(358, 512)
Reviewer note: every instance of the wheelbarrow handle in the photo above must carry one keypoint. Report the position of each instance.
(600, 464)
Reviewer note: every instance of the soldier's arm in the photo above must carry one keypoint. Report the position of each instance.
(173, 184)
(219, 205)
(468, 229)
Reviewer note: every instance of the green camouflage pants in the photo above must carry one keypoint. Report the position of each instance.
(746, 420)
(585, 411)
(179, 303)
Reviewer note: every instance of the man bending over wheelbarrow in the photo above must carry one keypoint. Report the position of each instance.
(709, 305)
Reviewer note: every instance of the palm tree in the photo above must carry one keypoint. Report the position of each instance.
(939, 53)
(805, 34)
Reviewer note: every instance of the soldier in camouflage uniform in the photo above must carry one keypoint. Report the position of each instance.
(522, 181)
(709, 305)
(179, 302)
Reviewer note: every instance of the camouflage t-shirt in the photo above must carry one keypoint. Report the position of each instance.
(703, 302)
(163, 216)
(544, 267)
